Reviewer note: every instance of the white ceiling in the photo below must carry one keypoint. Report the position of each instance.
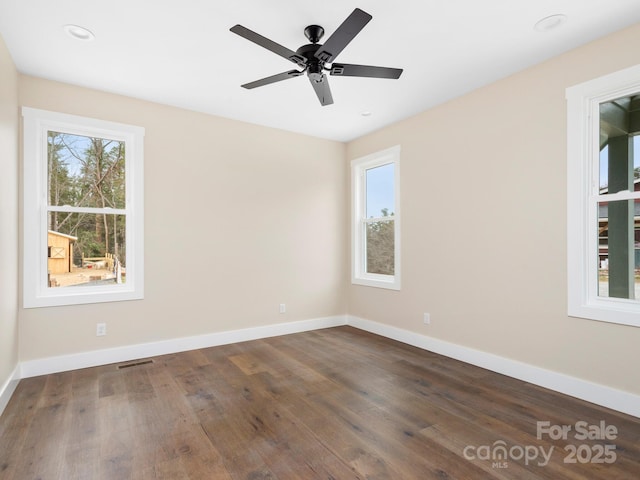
(181, 52)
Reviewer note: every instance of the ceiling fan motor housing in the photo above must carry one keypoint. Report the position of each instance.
(314, 65)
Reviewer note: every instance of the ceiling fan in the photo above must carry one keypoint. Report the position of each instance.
(314, 57)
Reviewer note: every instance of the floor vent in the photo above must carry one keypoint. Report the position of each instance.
(135, 364)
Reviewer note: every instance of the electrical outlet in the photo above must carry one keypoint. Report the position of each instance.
(101, 329)
(283, 308)
(427, 318)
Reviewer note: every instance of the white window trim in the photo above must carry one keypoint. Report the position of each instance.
(36, 292)
(583, 131)
(358, 255)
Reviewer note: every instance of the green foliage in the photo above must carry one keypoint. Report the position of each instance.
(90, 173)
(381, 245)
(88, 244)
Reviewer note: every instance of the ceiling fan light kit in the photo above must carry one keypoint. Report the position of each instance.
(314, 57)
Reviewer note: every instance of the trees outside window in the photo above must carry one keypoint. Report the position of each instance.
(87, 172)
(83, 209)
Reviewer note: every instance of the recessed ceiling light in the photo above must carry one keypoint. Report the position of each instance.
(366, 113)
(550, 23)
(79, 33)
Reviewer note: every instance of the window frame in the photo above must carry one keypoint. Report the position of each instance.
(36, 125)
(583, 195)
(359, 166)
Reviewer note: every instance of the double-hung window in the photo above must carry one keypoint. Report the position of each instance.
(604, 198)
(83, 210)
(376, 219)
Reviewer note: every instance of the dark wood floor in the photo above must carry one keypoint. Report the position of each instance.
(330, 404)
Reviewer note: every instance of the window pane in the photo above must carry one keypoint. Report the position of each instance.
(380, 247)
(380, 191)
(604, 170)
(619, 167)
(619, 249)
(85, 171)
(86, 249)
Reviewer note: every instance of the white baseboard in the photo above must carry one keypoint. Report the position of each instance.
(63, 363)
(7, 389)
(591, 392)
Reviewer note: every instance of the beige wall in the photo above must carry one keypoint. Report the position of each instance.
(238, 219)
(484, 251)
(8, 215)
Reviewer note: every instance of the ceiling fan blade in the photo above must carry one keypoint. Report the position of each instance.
(272, 79)
(350, 70)
(269, 45)
(343, 35)
(322, 90)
